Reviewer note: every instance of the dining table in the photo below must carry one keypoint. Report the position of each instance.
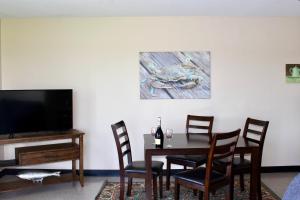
(192, 144)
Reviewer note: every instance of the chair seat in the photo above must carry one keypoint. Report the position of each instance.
(197, 176)
(237, 165)
(191, 159)
(140, 167)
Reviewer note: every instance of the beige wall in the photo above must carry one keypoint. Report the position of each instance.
(1, 147)
(98, 58)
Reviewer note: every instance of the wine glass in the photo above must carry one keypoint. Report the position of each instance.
(153, 131)
(169, 134)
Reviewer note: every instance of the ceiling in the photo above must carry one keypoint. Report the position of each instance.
(87, 8)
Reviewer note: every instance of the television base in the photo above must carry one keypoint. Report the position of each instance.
(38, 154)
(11, 135)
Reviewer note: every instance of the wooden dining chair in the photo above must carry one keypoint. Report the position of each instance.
(207, 179)
(201, 125)
(133, 169)
(254, 131)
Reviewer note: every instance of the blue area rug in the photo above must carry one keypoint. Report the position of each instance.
(293, 190)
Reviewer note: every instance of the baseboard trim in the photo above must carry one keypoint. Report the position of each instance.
(89, 172)
(273, 169)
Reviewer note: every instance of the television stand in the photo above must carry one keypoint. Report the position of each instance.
(39, 154)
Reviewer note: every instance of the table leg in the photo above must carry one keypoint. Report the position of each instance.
(74, 163)
(81, 177)
(255, 174)
(148, 181)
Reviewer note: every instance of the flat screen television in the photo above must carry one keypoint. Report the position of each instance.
(23, 111)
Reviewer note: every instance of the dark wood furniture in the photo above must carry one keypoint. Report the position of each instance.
(39, 154)
(134, 169)
(195, 145)
(254, 131)
(201, 125)
(206, 179)
(241, 165)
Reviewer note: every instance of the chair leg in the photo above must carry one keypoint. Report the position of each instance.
(259, 195)
(129, 186)
(184, 167)
(122, 187)
(177, 190)
(242, 186)
(168, 175)
(206, 194)
(231, 187)
(195, 192)
(154, 187)
(228, 194)
(200, 195)
(161, 185)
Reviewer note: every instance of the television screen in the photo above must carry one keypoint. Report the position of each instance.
(24, 111)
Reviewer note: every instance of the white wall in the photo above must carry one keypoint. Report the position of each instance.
(98, 58)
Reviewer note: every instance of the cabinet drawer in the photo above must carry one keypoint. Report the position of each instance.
(46, 153)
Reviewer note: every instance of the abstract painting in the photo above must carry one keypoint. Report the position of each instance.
(175, 75)
(292, 73)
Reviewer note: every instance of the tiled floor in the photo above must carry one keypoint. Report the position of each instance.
(69, 191)
(278, 182)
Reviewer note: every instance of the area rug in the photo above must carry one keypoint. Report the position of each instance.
(110, 191)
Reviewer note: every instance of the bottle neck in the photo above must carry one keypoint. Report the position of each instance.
(158, 122)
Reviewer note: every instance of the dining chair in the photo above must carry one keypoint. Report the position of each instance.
(133, 169)
(254, 131)
(201, 125)
(206, 179)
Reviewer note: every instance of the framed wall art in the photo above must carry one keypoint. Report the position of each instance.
(292, 73)
(175, 75)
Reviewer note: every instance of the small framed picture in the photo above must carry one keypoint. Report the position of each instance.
(292, 73)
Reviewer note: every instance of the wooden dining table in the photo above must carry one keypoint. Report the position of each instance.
(182, 144)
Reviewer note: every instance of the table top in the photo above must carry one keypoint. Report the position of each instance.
(40, 136)
(182, 141)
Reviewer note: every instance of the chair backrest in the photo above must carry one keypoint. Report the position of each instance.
(122, 143)
(222, 152)
(200, 125)
(255, 131)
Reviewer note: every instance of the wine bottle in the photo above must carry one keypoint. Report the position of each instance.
(159, 135)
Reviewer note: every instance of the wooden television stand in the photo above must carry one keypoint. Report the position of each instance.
(39, 154)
